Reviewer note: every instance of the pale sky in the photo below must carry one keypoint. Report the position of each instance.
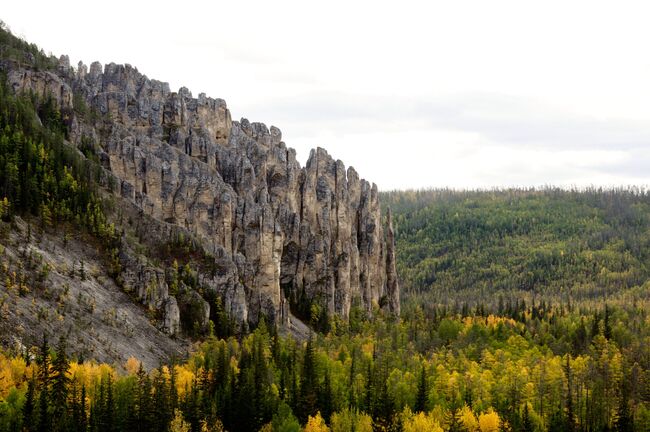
(463, 94)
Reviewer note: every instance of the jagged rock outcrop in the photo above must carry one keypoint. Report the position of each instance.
(280, 234)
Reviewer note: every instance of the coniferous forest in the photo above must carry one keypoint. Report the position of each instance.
(523, 310)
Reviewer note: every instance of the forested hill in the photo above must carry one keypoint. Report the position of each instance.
(563, 244)
(526, 310)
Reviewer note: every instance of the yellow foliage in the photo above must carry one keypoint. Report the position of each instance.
(12, 371)
(489, 421)
(468, 419)
(184, 379)
(316, 424)
(132, 365)
(364, 423)
(347, 420)
(419, 422)
(266, 428)
(178, 423)
(90, 374)
(368, 348)
(217, 426)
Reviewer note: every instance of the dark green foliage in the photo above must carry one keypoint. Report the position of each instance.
(29, 406)
(526, 424)
(60, 383)
(308, 402)
(422, 395)
(44, 380)
(39, 173)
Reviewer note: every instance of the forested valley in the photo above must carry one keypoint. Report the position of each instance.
(523, 310)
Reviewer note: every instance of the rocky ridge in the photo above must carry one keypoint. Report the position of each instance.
(281, 235)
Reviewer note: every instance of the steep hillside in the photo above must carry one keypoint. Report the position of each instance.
(209, 223)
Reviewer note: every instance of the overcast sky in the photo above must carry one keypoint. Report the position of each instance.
(464, 94)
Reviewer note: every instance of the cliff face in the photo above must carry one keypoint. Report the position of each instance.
(280, 233)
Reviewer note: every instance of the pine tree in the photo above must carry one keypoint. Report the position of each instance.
(143, 409)
(570, 421)
(325, 401)
(453, 423)
(308, 384)
(595, 326)
(526, 423)
(173, 391)
(161, 403)
(580, 338)
(607, 327)
(29, 405)
(83, 418)
(108, 420)
(60, 382)
(370, 391)
(384, 411)
(624, 421)
(352, 396)
(75, 407)
(421, 397)
(44, 419)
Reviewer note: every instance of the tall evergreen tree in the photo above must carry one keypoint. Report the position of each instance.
(44, 418)
(325, 400)
(161, 403)
(570, 416)
(607, 327)
(422, 394)
(624, 421)
(144, 409)
(308, 404)
(526, 423)
(83, 416)
(60, 383)
(29, 423)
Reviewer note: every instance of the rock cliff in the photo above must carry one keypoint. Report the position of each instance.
(280, 235)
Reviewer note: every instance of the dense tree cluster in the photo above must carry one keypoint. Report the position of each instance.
(452, 372)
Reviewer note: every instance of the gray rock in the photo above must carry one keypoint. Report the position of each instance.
(278, 231)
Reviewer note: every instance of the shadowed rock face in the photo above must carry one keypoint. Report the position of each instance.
(279, 231)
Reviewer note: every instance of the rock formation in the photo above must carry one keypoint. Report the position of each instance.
(279, 233)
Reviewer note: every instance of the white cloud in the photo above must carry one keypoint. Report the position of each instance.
(462, 94)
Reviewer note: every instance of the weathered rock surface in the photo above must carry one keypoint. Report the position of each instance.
(279, 233)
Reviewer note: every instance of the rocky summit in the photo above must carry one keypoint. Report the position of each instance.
(279, 236)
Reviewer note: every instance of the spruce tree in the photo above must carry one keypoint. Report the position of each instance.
(29, 406)
(325, 402)
(44, 419)
(83, 417)
(526, 423)
(421, 397)
(60, 383)
(308, 404)
(607, 327)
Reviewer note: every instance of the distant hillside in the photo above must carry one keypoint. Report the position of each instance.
(568, 245)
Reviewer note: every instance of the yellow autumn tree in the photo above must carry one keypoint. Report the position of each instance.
(468, 419)
(316, 424)
(178, 423)
(419, 422)
(217, 426)
(489, 421)
(132, 365)
(348, 420)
